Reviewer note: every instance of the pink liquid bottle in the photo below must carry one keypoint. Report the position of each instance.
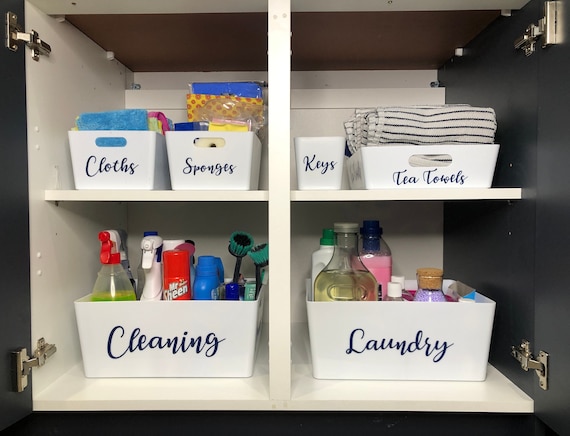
(376, 255)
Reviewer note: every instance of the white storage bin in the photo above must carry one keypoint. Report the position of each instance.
(401, 340)
(201, 160)
(320, 162)
(119, 159)
(415, 166)
(194, 338)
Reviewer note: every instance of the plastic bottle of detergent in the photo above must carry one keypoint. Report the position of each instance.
(207, 278)
(113, 283)
(321, 257)
(376, 255)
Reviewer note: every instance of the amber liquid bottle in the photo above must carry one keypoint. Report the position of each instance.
(345, 278)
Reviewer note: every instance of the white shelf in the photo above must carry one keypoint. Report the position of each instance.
(343, 195)
(135, 195)
(497, 394)
(410, 194)
(74, 392)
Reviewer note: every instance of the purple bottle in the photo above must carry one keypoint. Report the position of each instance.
(430, 283)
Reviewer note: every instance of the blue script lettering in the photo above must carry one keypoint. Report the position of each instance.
(358, 344)
(119, 166)
(313, 164)
(401, 179)
(119, 344)
(431, 178)
(216, 169)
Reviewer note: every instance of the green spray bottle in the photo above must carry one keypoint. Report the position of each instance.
(113, 283)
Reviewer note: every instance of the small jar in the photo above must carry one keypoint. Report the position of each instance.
(430, 284)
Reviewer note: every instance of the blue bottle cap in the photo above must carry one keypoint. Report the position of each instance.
(232, 291)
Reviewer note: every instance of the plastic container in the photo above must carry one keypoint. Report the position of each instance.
(319, 162)
(400, 340)
(419, 166)
(376, 255)
(213, 160)
(211, 338)
(119, 159)
(321, 257)
(345, 278)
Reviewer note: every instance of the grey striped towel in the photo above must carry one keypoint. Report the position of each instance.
(421, 125)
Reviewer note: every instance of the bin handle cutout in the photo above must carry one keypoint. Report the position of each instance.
(210, 142)
(430, 160)
(111, 141)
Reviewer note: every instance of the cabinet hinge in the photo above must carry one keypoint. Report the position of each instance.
(549, 28)
(540, 365)
(22, 364)
(15, 35)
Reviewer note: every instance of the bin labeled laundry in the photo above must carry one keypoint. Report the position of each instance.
(119, 159)
(423, 166)
(213, 160)
(169, 338)
(400, 340)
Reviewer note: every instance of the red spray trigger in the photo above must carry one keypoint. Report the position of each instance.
(109, 254)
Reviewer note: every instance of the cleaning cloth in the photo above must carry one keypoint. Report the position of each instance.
(125, 119)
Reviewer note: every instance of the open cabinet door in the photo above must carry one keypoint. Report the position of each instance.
(518, 252)
(14, 256)
(552, 300)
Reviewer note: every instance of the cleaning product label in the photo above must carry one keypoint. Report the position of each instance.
(178, 289)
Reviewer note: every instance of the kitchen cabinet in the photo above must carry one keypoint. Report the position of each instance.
(305, 98)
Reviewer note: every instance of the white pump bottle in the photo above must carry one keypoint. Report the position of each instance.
(151, 263)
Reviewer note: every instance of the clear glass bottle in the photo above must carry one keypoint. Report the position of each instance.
(430, 285)
(345, 278)
(376, 255)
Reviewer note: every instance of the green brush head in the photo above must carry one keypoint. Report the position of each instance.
(260, 255)
(240, 243)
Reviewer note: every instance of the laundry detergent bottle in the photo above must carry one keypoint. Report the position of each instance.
(113, 283)
(376, 255)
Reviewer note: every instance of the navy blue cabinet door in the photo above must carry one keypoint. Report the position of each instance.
(14, 254)
(518, 252)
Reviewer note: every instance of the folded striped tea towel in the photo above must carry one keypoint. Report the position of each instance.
(421, 125)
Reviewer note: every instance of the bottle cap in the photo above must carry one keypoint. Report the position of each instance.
(394, 289)
(371, 227)
(327, 237)
(175, 263)
(232, 291)
(399, 279)
(345, 227)
(150, 233)
(207, 265)
(429, 278)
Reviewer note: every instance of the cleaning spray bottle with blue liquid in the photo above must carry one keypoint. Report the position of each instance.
(112, 282)
(151, 263)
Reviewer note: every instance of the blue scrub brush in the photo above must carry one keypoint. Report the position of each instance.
(240, 244)
(260, 256)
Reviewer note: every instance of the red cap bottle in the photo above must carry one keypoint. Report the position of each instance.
(176, 273)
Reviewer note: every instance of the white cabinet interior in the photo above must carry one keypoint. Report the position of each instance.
(79, 77)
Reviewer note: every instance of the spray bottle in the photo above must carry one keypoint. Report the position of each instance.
(112, 282)
(151, 263)
(119, 237)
